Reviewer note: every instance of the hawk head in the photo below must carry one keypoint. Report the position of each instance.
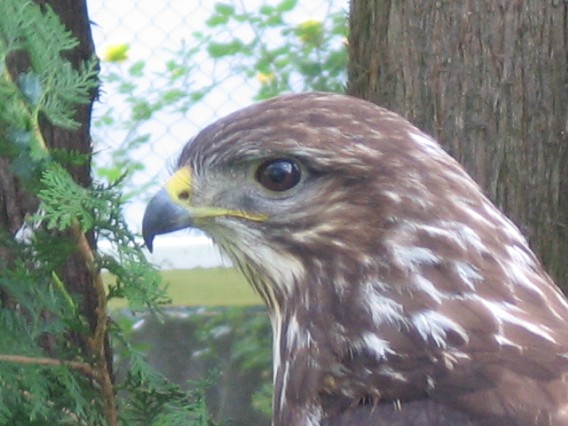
(396, 290)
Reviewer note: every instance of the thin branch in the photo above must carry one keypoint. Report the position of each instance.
(97, 341)
(82, 367)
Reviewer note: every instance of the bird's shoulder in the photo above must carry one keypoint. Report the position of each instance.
(506, 387)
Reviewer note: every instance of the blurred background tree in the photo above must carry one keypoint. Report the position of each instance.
(490, 81)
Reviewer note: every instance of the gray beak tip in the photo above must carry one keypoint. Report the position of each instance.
(149, 241)
(162, 216)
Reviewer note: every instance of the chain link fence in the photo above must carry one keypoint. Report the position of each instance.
(151, 50)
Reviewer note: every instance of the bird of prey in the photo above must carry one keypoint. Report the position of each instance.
(397, 292)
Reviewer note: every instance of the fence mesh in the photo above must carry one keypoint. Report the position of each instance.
(151, 50)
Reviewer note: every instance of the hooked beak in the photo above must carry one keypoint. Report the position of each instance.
(171, 209)
(166, 211)
(162, 216)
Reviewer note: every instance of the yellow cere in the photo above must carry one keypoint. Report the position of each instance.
(179, 185)
(179, 188)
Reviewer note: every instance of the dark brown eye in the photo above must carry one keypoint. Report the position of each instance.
(278, 175)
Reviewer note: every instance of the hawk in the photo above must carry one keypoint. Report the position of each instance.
(398, 293)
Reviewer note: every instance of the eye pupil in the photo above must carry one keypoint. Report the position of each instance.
(278, 175)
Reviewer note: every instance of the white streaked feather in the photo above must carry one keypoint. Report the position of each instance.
(429, 145)
(296, 336)
(374, 344)
(435, 326)
(410, 257)
(467, 273)
(285, 378)
(426, 286)
(383, 309)
(504, 341)
(508, 313)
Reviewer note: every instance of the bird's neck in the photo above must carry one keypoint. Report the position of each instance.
(346, 342)
(315, 334)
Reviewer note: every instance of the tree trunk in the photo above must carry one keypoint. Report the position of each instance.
(75, 274)
(488, 79)
(16, 203)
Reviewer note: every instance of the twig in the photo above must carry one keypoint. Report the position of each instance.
(82, 367)
(97, 341)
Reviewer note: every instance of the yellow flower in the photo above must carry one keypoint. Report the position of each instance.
(265, 78)
(310, 31)
(116, 53)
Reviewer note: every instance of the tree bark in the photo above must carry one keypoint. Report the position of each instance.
(75, 274)
(16, 202)
(489, 80)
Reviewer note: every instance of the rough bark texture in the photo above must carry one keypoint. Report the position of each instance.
(75, 273)
(488, 79)
(15, 202)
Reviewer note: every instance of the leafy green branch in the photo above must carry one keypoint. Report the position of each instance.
(51, 87)
(304, 57)
(44, 377)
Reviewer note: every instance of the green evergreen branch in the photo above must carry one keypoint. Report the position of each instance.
(53, 87)
(23, 111)
(39, 304)
(61, 287)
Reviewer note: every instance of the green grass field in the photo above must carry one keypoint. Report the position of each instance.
(205, 287)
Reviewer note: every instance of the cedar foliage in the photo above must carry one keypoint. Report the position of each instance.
(55, 364)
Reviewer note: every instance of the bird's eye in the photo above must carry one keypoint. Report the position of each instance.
(278, 175)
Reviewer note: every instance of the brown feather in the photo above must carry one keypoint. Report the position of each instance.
(399, 294)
